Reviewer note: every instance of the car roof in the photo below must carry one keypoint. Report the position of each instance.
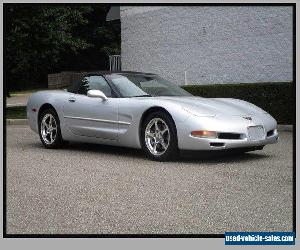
(74, 86)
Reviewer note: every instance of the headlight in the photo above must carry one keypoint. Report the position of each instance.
(195, 113)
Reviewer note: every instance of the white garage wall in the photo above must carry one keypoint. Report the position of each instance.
(213, 44)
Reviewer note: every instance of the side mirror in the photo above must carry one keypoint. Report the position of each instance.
(95, 93)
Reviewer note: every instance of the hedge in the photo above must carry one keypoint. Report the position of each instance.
(277, 98)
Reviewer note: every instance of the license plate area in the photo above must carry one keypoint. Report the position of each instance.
(256, 133)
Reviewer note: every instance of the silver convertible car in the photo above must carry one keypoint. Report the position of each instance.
(143, 110)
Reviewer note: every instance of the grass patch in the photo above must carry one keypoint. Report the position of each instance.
(16, 113)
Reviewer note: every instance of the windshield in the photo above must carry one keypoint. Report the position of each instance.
(144, 85)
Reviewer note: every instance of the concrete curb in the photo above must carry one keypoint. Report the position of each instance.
(21, 94)
(280, 127)
(9, 105)
(16, 122)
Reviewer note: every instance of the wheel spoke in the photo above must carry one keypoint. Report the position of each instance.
(45, 124)
(156, 125)
(165, 130)
(163, 145)
(149, 134)
(50, 121)
(52, 129)
(51, 137)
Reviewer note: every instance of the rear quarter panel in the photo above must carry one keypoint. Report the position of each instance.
(55, 98)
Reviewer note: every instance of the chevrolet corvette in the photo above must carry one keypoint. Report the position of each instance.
(143, 110)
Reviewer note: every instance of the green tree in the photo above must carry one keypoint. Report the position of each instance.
(104, 38)
(46, 38)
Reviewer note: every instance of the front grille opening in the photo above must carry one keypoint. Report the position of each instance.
(230, 136)
(217, 144)
(270, 133)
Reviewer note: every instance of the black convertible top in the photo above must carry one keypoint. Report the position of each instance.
(117, 72)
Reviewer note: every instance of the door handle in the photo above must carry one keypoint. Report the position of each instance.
(72, 99)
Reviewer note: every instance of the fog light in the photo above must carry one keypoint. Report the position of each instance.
(204, 134)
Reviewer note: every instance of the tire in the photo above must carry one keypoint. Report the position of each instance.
(49, 132)
(159, 137)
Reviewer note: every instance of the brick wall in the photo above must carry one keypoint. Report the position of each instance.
(63, 79)
(212, 44)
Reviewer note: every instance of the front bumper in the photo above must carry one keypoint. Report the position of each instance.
(221, 144)
(233, 124)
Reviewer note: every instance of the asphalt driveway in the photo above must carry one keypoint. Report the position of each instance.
(99, 189)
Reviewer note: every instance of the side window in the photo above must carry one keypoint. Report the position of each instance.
(94, 82)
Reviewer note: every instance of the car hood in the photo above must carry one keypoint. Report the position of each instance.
(214, 106)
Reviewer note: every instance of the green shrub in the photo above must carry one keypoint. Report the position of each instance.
(276, 98)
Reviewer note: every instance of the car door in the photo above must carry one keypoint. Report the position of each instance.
(89, 116)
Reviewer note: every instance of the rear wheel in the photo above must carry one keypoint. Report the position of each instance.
(49, 129)
(159, 137)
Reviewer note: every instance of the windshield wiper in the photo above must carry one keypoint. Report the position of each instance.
(142, 95)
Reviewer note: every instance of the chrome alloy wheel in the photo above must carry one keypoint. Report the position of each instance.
(48, 129)
(157, 136)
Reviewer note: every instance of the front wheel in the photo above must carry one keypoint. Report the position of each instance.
(159, 137)
(49, 129)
